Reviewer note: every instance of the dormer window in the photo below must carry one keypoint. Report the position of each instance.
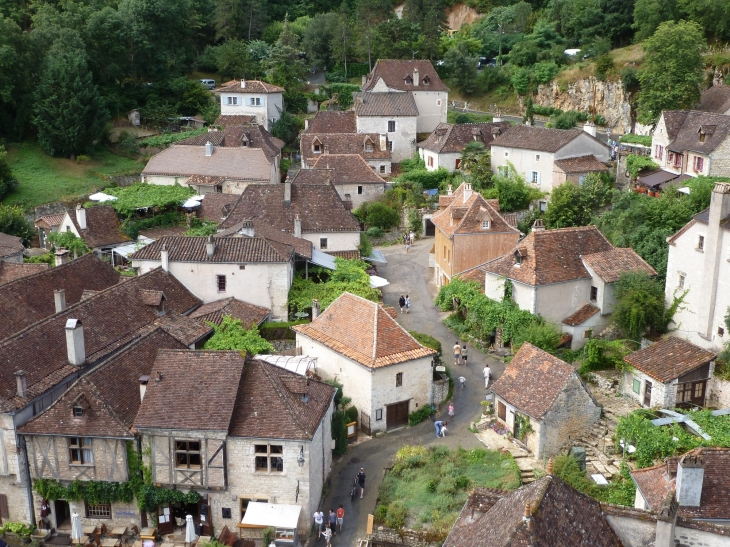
(409, 80)
(426, 80)
(702, 137)
(518, 258)
(368, 147)
(78, 411)
(244, 142)
(317, 148)
(485, 224)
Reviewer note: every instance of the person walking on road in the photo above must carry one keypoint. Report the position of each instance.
(332, 518)
(487, 372)
(457, 353)
(462, 381)
(438, 425)
(412, 237)
(401, 303)
(328, 534)
(451, 410)
(340, 516)
(318, 522)
(361, 481)
(463, 354)
(408, 303)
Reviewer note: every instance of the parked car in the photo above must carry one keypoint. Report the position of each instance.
(208, 83)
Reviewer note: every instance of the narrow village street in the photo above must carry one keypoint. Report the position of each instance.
(408, 274)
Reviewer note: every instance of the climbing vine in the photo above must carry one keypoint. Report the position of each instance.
(523, 426)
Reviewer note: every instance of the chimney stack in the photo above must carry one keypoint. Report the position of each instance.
(165, 258)
(297, 226)
(538, 226)
(315, 309)
(666, 522)
(61, 256)
(306, 124)
(247, 228)
(210, 247)
(287, 193)
(75, 342)
(690, 475)
(59, 297)
(383, 143)
(208, 149)
(467, 191)
(21, 384)
(243, 84)
(416, 77)
(143, 386)
(81, 216)
(590, 128)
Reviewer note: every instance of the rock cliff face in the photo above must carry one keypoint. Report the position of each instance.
(611, 101)
(460, 14)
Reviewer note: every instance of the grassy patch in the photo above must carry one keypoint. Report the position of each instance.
(628, 56)
(427, 487)
(44, 179)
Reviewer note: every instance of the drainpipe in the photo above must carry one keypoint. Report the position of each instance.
(25, 469)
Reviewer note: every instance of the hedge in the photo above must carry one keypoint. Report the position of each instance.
(279, 330)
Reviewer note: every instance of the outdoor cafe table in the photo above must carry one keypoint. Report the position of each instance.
(118, 532)
(110, 542)
(148, 533)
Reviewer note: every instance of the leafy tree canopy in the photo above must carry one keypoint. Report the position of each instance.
(231, 334)
(574, 205)
(14, 223)
(8, 183)
(68, 240)
(143, 195)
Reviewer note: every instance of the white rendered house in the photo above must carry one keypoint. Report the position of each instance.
(263, 101)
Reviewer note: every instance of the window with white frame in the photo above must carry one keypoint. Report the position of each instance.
(269, 458)
(382, 168)
(232, 101)
(537, 157)
(485, 224)
(368, 147)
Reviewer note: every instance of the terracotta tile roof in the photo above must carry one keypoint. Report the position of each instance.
(228, 120)
(216, 138)
(302, 247)
(673, 120)
(349, 255)
(345, 169)
(251, 86)
(183, 328)
(112, 391)
(580, 164)
(197, 390)
(655, 483)
(364, 332)
(716, 99)
(249, 135)
(343, 143)
(450, 138)
(215, 207)
(10, 245)
(111, 319)
(102, 227)
(52, 221)
(476, 274)
(10, 271)
(87, 294)
(715, 127)
(332, 121)
(270, 403)
(669, 358)
(551, 256)
(609, 265)
(533, 380)
(394, 72)
(214, 312)
(229, 163)
(466, 216)
(319, 207)
(393, 105)
(537, 138)
(30, 299)
(157, 233)
(314, 176)
(581, 315)
(227, 250)
(559, 516)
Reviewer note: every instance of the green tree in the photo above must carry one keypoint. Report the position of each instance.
(232, 335)
(382, 216)
(477, 165)
(639, 305)
(463, 67)
(520, 80)
(513, 192)
(649, 14)
(567, 207)
(68, 240)
(14, 223)
(319, 38)
(69, 111)
(232, 59)
(543, 335)
(287, 127)
(8, 183)
(369, 14)
(240, 19)
(672, 69)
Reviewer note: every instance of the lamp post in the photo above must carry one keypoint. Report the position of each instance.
(300, 458)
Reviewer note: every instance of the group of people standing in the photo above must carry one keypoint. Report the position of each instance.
(408, 240)
(327, 526)
(404, 302)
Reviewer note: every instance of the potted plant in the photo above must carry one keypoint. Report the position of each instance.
(23, 531)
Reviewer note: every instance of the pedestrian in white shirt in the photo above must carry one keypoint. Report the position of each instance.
(487, 373)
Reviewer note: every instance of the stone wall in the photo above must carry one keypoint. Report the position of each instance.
(611, 101)
(404, 536)
(719, 393)
(440, 389)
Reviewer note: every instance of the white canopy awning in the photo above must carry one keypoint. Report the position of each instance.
(323, 259)
(193, 201)
(101, 196)
(277, 515)
(376, 282)
(129, 248)
(299, 363)
(376, 256)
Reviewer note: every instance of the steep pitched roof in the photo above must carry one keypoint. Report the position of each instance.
(271, 403)
(450, 138)
(216, 206)
(609, 265)
(669, 358)
(551, 256)
(196, 390)
(673, 120)
(228, 250)
(226, 120)
(395, 74)
(10, 245)
(559, 515)
(343, 143)
(10, 271)
(716, 99)
(466, 212)
(319, 207)
(537, 138)
(214, 312)
(580, 164)
(230, 163)
(102, 227)
(110, 318)
(332, 121)
(112, 391)
(533, 380)
(53, 220)
(700, 132)
(260, 228)
(346, 169)
(249, 135)
(364, 332)
(30, 299)
(249, 86)
(389, 104)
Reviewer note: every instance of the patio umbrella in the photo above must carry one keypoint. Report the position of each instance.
(76, 531)
(190, 536)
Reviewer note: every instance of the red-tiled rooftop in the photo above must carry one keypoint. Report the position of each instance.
(669, 358)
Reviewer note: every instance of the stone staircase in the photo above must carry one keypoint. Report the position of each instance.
(599, 446)
(527, 472)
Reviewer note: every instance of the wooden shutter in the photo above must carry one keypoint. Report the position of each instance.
(4, 513)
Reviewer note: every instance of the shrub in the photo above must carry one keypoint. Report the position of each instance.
(417, 416)
(381, 511)
(604, 64)
(279, 330)
(396, 517)
(365, 246)
(352, 414)
(630, 138)
(544, 72)
(635, 164)
(374, 231)
(545, 336)
(339, 433)
(630, 79)
(382, 216)
(127, 143)
(47, 258)
(426, 340)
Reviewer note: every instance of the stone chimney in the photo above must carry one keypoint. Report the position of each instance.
(75, 342)
(666, 521)
(416, 77)
(247, 228)
(712, 248)
(59, 298)
(165, 258)
(590, 128)
(306, 124)
(497, 118)
(467, 191)
(208, 149)
(210, 247)
(297, 226)
(538, 226)
(315, 309)
(61, 256)
(243, 84)
(143, 380)
(21, 384)
(81, 216)
(287, 193)
(690, 475)
(383, 143)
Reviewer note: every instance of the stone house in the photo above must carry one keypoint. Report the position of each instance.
(98, 226)
(252, 269)
(248, 314)
(444, 146)
(47, 224)
(266, 437)
(261, 100)
(393, 114)
(335, 132)
(549, 395)
(354, 180)
(576, 169)
(39, 363)
(692, 143)
(314, 212)
(716, 99)
(385, 371)
(86, 433)
(566, 275)
(419, 79)
(697, 265)
(669, 373)
(533, 152)
(11, 249)
(469, 231)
